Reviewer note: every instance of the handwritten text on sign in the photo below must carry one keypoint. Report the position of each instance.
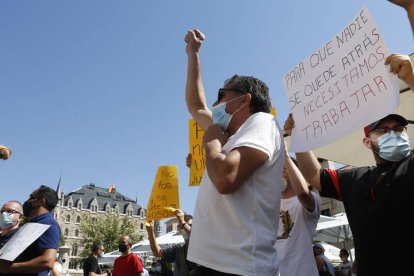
(164, 194)
(342, 86)
(197, 152)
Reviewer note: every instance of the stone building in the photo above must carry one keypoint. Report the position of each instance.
(94, 202)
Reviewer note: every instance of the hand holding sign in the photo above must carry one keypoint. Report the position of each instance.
(342, 86)
(164, 195)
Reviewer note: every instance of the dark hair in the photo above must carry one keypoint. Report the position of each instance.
(187, 217)
(256, 88)
(344, 251)
(95, 246)
(49, 195)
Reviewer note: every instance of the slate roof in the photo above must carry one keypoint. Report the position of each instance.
(103, 197)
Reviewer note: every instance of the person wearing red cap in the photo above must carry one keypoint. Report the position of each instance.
(377, 200)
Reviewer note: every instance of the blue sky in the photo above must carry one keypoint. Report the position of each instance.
(94, 90)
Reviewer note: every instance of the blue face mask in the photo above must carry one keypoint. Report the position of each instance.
(220, 116)
(394, 146)
(6, 220)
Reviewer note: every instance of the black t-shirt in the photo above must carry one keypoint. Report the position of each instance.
(91, 265)
(4, 239)
(379, 203)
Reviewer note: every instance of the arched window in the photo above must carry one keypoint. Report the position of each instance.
(76, 233)
(70, 204)
(67, 218)
(141, 226)
(78, 219)
(66, 231)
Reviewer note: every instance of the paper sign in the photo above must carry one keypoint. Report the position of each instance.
(342, 86)
(24, 237)
(197, 152)
(164, 195)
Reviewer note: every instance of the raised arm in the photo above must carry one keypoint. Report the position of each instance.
(307, 162)
(194, 91)
(401, 65)
(299, 184)
(155, 248)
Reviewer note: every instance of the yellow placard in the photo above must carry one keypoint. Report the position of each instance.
(197, 152)
(273, 111)
(164, 195)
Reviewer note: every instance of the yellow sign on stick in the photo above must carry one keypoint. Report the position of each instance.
(273, 111)
(197, 152)
(164, 195)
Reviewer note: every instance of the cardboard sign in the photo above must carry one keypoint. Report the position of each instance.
(164, 195)
(342, 86)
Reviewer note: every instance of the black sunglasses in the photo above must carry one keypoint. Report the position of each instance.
(222, 90)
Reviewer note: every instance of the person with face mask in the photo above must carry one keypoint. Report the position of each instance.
(128, 264)
(240, 189)
(377, 199)
(11, 215)
(299, 215)
(90, 264)
(39, 257)
(176, 254)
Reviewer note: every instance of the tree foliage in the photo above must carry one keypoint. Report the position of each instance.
(106, 229)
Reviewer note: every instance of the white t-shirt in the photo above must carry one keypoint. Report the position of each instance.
(346, 269)
(234, 233)
(294, 244)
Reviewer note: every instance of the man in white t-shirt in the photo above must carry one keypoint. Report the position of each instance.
(299, 215)
(236, 213)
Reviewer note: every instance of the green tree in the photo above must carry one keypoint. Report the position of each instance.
(106, 229)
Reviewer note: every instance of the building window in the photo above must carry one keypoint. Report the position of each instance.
(80, 205)
(141, 226)
(75, 249)
(169, 228)
(68, 218)
(70, 204)
(66, 231)
(76, 233)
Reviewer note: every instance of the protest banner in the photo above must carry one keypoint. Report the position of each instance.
(164, 195)
(342, 86)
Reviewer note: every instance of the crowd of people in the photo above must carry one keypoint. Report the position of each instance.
(254, 199)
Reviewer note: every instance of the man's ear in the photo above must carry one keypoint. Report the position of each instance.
(367, 142)
(248, 97)
(42, 201)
